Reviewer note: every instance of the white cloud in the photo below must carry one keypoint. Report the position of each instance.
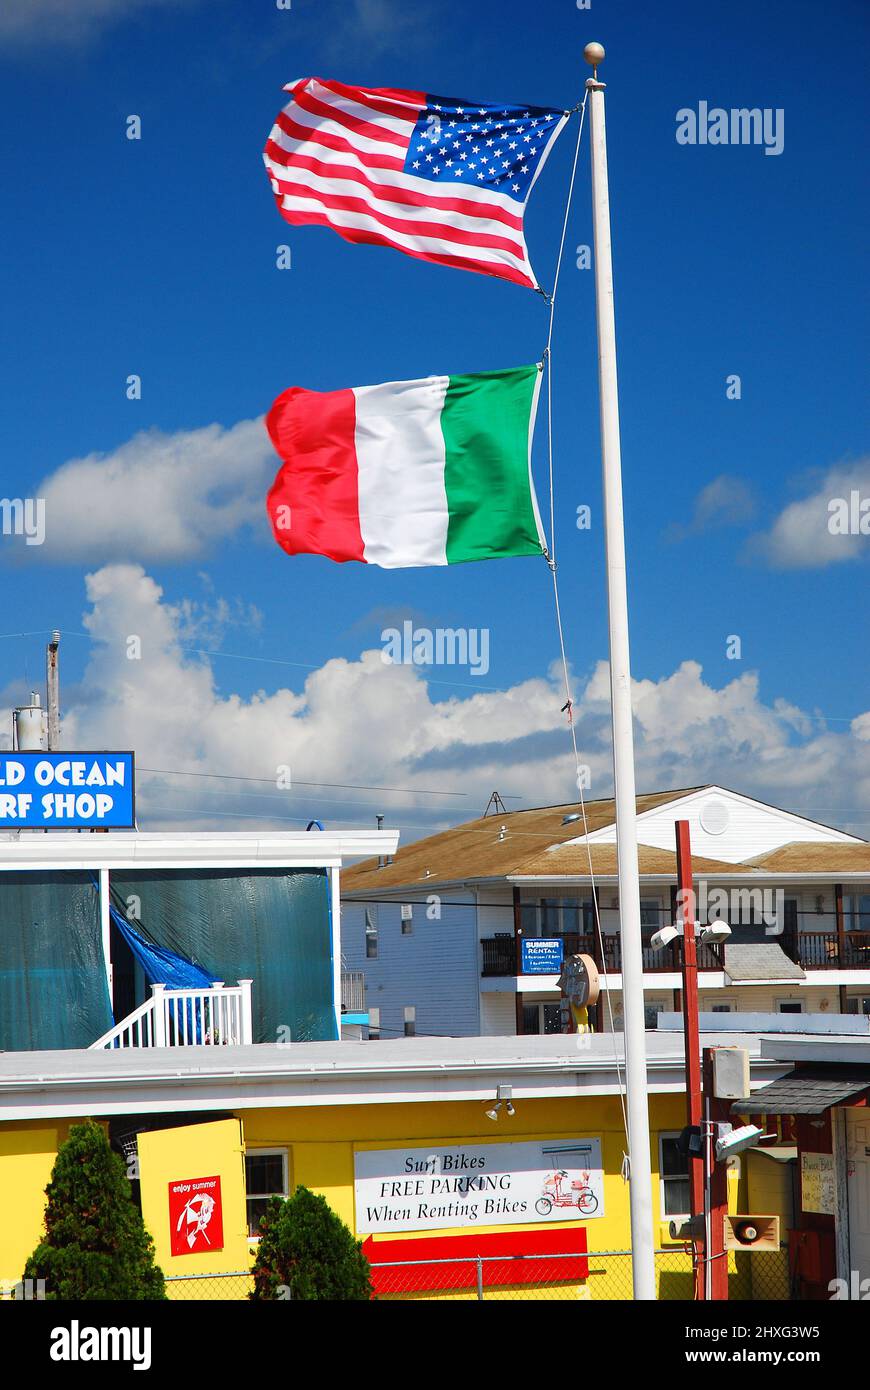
(726, 501)
(164, 497)
(376, 27)
(367, 723)
(802, 537)
(59, 22)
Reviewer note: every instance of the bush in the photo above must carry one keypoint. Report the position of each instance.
(306, 1251)
(96, 1245)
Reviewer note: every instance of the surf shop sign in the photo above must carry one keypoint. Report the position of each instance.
(425, 1189)
(67, 791)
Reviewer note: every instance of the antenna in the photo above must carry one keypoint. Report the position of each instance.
(495, 806)
(52, 689)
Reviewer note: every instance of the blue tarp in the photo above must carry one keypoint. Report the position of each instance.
(53, 987)
(161, 966)
(272, 926)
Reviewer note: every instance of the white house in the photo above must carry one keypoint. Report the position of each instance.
(438, 930)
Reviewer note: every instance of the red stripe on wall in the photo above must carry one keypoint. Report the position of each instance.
(512, 1258)
(313, 504)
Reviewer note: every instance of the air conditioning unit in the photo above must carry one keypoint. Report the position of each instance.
(751, 1232)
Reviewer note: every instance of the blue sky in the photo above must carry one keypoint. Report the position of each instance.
(157, 257)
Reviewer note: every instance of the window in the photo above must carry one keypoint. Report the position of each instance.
(265, 1177)
(722, 1009)
(651, 1010)
(789, 1006)
(542, 1018)
(410, 1021)
(407, 916)
(674, 1176)
(561, 916)
(858, 1004)
(650, 914)
(374, 1024)
(371, 935)
(856, 911)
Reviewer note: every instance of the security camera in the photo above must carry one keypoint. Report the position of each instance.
(734, 1141)
(715, 933)
(663, 937)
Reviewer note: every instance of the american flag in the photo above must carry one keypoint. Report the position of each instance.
(440, 179)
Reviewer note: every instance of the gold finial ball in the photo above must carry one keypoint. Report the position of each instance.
(594, 54)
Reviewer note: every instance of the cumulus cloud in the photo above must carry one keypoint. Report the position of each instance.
(59, 22)
(160, 497)
(726, 501)
(827, 527)
(373, 725)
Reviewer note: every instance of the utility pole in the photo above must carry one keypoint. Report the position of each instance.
(691, 1043)
(52, 691)
(716, 1188)
(640, 1172)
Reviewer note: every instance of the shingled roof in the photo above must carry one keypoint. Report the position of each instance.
(500, 845)
(814, 857)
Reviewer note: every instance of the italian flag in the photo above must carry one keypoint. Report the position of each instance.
(428, 472)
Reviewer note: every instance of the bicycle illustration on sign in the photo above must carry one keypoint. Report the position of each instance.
(558, 1192)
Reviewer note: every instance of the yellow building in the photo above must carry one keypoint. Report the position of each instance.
(477, 1149)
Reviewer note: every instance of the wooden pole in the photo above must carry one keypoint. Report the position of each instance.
(717, 1179)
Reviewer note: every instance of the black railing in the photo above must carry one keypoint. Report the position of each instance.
(500, 953)
(820, 950)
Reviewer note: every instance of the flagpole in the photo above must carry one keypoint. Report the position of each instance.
(640, 1186)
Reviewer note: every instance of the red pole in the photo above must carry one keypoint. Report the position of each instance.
(718, 1179)
(691, 1034)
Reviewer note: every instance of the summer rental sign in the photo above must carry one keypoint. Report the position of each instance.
(425, 1189)
(66, 791)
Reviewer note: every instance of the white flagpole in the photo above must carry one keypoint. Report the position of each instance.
(640, 1188)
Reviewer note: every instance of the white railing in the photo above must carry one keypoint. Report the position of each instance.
(219, 1016)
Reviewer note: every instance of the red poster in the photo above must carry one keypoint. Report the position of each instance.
(196, 1219)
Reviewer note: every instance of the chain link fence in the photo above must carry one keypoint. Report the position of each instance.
(234, 1285)
(601, 1276)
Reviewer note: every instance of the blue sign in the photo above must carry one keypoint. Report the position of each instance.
(66, 791)
(542, 955)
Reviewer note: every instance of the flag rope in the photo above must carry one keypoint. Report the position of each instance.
(551, 561)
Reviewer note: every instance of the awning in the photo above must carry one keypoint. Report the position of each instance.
(810, 1091)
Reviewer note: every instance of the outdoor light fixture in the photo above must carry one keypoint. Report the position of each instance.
(663, 937)
(715, 933)
(712, 935)
(502, 1098)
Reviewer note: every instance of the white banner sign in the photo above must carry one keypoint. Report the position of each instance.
(424, 1189)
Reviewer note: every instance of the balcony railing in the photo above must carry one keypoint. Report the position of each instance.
(500, 954)
(353, 992)
(219, 1016)
(820, 950)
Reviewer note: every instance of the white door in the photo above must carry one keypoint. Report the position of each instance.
(858, 1170)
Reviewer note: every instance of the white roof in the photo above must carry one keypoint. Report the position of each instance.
(152, 1080)
(202, 849)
